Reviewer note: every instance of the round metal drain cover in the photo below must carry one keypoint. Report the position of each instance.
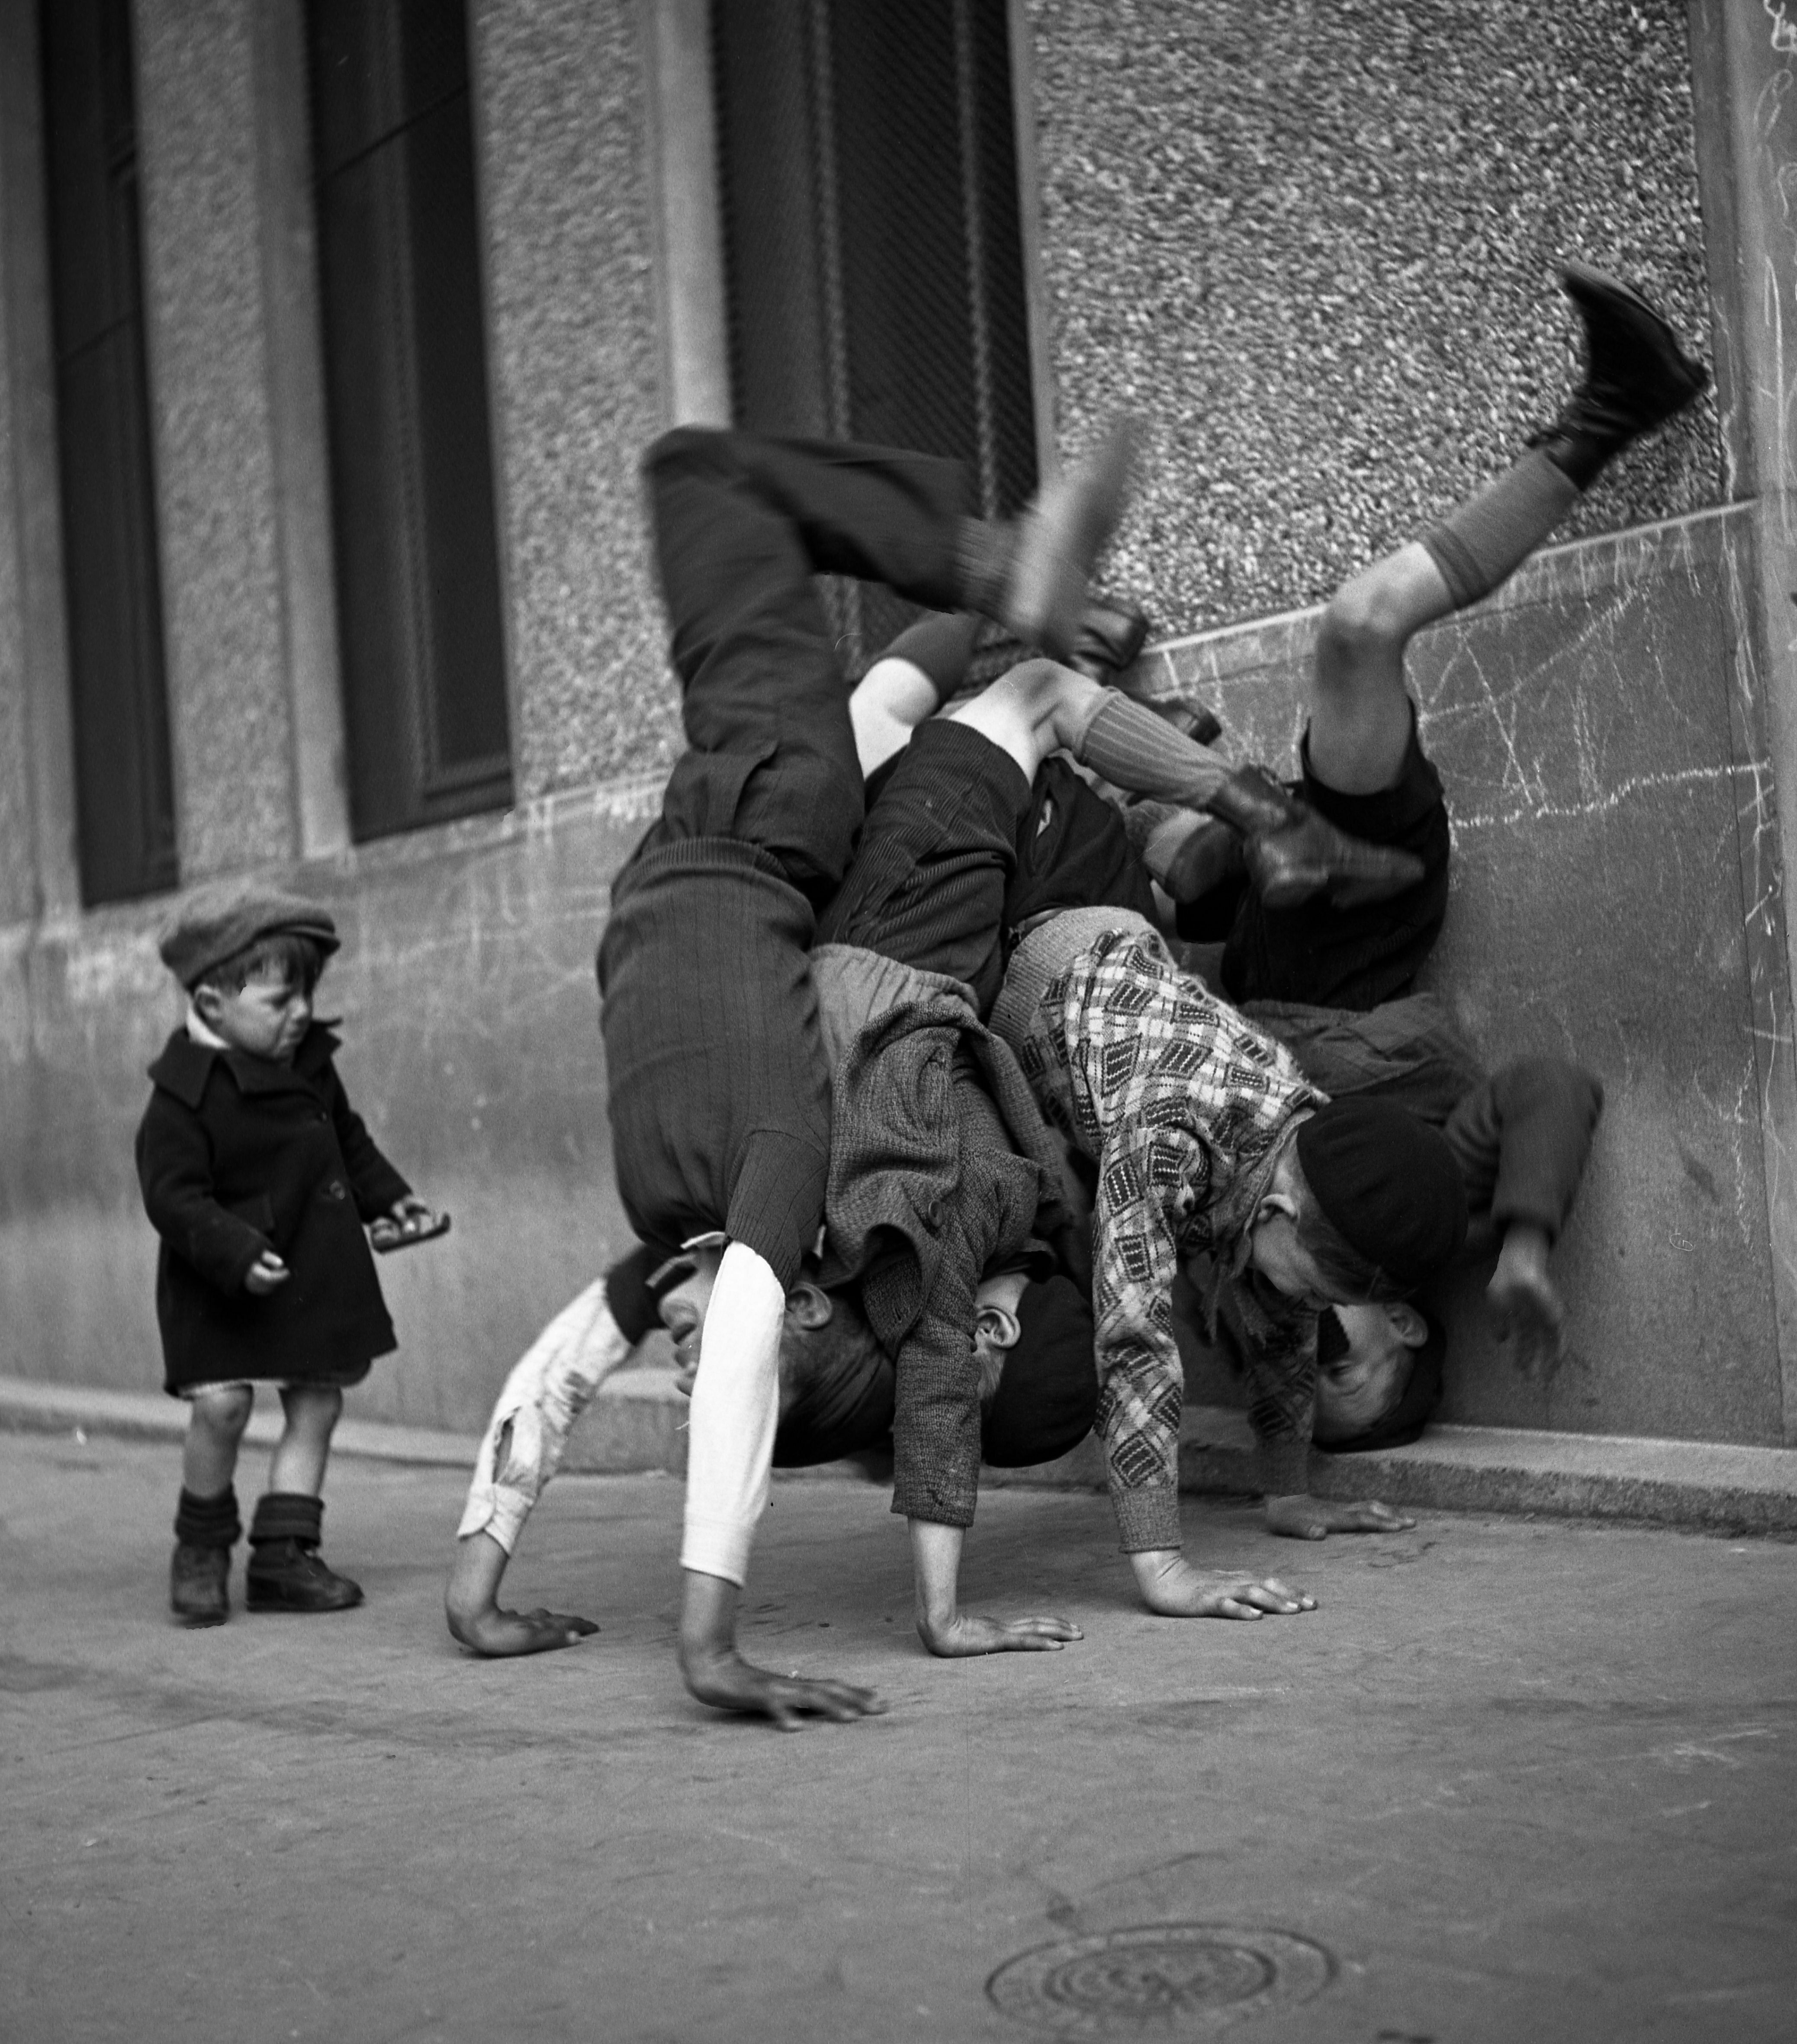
(1163, 1979)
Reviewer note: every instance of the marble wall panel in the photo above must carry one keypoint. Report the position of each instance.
(1582, 724)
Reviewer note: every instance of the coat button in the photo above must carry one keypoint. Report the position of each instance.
(336, 1190)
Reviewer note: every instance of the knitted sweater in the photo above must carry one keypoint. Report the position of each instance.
(939, 1162)
(1184, 1107)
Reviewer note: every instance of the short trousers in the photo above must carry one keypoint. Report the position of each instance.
(929, 882)
(336, 1380)
(1329, 957)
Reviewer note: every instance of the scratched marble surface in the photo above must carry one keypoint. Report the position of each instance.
(1582, 725)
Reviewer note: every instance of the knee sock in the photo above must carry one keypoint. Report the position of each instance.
(941, 644)
(286, 1515)
(1483, 541)
(1134, 748)
(208, 1522)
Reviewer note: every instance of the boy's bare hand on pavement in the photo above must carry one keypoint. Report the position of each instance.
(1173, 1588)
(728, 1682)
(960, 1634)
(1299, 1516)
(500, 1634)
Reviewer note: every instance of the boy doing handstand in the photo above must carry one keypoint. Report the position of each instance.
(258, 1176)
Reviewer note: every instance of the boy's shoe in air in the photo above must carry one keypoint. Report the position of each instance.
(198, 1585)
(284, 1575)
(1110, 638)
(1637, 376)
(1059, 539)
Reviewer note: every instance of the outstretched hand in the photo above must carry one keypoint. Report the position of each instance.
(716, 1673)
(1171, 1587)
(959, 1635)
(728, 1682)
(1523, 1304)
(499, 1633)
(1299, 1516)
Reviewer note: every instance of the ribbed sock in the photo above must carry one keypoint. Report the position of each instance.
(208, 1522)
(983, 554)
(1483, 542)
(287, 1515)
(1133, 748)
(941, 646)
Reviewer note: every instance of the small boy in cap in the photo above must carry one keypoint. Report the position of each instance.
(257, 1175)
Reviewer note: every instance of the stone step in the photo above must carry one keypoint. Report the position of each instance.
(639, 1423)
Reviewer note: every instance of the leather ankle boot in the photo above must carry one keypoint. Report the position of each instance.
(285, 1576)
(1293, 855)
(198, 1585)
(1637, 376)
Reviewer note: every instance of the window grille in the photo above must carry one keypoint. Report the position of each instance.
(872, 244)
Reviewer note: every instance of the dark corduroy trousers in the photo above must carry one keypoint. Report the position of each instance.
(741, 527)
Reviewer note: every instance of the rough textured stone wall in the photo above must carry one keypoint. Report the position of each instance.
(565, 194)
(1313, 243)
(230, 710)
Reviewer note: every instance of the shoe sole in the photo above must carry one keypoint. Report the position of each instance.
(273, 1600)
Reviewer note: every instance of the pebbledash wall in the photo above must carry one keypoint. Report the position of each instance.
(1313, 246)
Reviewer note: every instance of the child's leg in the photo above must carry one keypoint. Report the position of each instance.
(216, 1420)
(921, 669)
(285, 1572)
(312, 1411)
(1636, 378)
(206, 1525)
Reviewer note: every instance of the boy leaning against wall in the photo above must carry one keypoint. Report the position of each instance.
(258, 1176)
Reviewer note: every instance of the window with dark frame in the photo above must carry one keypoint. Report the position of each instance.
(872, 240)
(426, 721)
(124, 773)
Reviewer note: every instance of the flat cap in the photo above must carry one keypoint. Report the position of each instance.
(223, 917)
(1388, 1184)
(1047, 1396)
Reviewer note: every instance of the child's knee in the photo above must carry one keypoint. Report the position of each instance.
(222, 1413)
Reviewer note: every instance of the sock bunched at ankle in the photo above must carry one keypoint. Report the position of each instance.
(941, 645)
(208, 1522)
(287, 1515)
(1483, 542)
(1133, 747)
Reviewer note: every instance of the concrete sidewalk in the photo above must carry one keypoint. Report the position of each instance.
(638, 1423)
(1512, 1780)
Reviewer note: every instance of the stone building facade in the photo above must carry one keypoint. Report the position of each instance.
(1314, 247)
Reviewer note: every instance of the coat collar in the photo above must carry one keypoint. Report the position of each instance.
(185, 1066)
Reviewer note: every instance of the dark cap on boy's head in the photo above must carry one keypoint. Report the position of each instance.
(218, 920)
(1047, 1396)
(1388, 1185)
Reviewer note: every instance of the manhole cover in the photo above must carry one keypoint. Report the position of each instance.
(1164, 1979)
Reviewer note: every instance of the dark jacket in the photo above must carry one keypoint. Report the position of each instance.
(939, 1162)
(237, 1155)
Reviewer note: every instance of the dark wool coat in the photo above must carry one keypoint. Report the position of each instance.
(235, 1155)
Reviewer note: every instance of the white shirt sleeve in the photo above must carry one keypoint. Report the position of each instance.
(735, 1410)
